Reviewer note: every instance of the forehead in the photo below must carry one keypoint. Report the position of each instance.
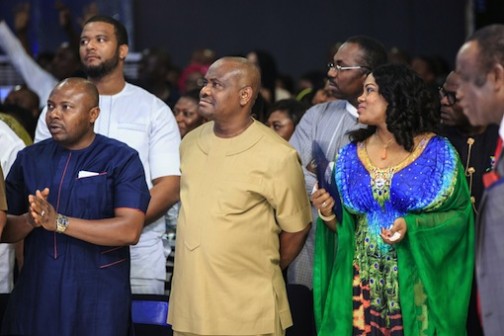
(467, 58)
(67, 92)
(221, 70)
(349, 53)
(451, 82)
(279, 114)
(186, 101)
(370, 80)
(98, 28)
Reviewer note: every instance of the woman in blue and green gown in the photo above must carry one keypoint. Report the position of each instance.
(399, 260)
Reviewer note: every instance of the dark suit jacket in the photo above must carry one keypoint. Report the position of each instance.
(490, 255)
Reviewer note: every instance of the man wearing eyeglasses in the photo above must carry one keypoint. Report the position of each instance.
(327, 124)
(476, 147)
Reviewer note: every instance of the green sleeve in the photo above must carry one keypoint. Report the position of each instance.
(333, 294)
(436, 261)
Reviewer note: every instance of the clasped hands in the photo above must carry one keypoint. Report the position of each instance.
(41, 213)
(324, 203)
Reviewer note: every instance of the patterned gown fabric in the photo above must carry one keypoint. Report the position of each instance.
(367, 287)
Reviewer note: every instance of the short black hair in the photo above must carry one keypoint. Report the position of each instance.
(375, 53)
(119, 29)
(295, 109)
(192, 94)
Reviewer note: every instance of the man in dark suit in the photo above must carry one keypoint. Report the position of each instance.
(480, 64)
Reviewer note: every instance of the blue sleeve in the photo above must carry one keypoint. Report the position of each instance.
(130, 188)
(15, 188)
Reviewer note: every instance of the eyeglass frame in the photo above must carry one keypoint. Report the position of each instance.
(451, 96)
(338, 68)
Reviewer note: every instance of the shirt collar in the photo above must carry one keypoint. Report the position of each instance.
(351, 109)
(501, 129)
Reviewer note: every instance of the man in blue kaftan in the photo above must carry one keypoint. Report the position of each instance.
(79, 201)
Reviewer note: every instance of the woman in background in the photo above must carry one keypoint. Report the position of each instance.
(186, 112)
(284, 115)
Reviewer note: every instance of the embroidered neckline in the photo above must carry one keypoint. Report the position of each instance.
(381, 178)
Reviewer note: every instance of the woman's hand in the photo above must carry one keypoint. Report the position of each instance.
(396, 233)
(323, 201)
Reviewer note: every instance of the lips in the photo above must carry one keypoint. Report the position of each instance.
(90, 58)
(204, 102)
(55, 127)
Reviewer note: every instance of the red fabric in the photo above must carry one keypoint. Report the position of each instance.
(498, 150)
(492, 177)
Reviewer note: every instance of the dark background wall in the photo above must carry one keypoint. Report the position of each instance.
(298, 33)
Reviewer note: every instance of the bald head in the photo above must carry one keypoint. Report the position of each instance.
(72, 109)
(230, 90)
(245, 72)
(82, 86)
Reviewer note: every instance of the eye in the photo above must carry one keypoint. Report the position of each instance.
(101, 39)
(50, 106)
(65, 106)
(369, 89)
(83, 42)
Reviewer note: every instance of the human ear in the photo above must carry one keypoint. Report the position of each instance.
(123, 51)
(245, 95)
(497, 75)
(93, 114)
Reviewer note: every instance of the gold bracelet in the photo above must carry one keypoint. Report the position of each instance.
(324, 218)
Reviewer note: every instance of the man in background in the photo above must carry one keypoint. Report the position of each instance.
(480, 65)
(141, 120)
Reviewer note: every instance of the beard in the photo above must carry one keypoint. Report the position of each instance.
(103, 69)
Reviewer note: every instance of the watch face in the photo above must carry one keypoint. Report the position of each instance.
(61, 223)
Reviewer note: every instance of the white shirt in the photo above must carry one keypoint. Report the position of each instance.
(36, 78)
(10, 145)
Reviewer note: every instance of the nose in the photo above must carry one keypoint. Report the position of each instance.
(361, 98)
(444, 100)
(332, 72)
(53, 113)
(204, 91)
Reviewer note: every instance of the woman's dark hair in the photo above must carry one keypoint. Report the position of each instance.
(292, 107)
(192, 94)
(413, 108)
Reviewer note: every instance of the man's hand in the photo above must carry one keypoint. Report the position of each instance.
(41, 212)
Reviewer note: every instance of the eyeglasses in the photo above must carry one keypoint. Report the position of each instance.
(340, 68)
(450, 96)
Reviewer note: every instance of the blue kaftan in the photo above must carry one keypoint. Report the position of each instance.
(68, 286)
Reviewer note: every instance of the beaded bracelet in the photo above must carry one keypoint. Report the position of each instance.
(324, 218)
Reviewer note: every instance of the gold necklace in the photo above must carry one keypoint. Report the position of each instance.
(383, 155)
